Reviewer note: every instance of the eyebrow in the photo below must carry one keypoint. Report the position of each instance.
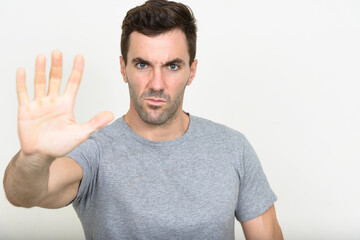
(138, 60)
(178, 61)
(173, 61)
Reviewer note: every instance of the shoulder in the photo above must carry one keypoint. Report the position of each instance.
(109, 132)
(210, 127)
(204, 127)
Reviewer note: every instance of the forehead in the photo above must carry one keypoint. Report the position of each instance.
(159, 48)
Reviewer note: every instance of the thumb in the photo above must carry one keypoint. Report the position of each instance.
(97, 122)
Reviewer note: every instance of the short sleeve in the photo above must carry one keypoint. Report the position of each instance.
(87, 156)
(255, 195)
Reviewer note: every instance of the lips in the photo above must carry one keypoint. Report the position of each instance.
(155, 101)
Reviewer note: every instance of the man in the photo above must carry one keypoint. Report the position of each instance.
(157, 172)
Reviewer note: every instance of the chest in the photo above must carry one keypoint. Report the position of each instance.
(179, 189)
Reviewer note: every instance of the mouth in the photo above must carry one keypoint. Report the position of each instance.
(155, 101)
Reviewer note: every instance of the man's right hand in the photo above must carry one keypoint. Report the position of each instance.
(40, 175)
(47, 125)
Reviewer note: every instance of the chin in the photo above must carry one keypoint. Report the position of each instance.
(158, 118)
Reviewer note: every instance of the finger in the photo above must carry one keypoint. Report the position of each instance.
(55, 73)
(40, 79)
(97, 122)
(21, 86)
(75, 77)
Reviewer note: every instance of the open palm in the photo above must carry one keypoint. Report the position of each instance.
(46, 125)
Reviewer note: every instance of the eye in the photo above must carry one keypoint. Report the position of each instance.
(141, 65)
(173, 67)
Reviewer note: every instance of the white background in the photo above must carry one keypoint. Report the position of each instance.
(283, 72)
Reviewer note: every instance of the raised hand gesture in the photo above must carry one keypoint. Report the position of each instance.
(46, 125)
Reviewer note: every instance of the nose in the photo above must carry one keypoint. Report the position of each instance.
(157, 82)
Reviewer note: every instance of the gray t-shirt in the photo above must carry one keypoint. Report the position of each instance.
(192, 187)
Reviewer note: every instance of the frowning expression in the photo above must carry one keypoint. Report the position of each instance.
(157, 72)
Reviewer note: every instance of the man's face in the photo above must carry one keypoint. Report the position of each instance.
(157, 72)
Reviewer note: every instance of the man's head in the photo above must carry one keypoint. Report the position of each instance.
(159, 16)
(158, 46)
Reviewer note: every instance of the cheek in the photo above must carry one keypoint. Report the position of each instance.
(176, 91)
(138, 82)
(177, 83)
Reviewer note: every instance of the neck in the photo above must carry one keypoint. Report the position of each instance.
(170, 130)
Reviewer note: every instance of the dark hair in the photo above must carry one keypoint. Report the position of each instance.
(159, 16)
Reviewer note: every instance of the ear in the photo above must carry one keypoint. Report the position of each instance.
(122, 69)
(192, 71)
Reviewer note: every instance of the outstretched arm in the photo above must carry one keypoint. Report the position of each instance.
(40, 175)
(263, 227)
